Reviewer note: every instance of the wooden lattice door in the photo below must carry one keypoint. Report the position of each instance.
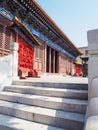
(1, 39)
(6, 37)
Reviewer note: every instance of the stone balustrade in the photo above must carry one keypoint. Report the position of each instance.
(9, 66)
(92, 120)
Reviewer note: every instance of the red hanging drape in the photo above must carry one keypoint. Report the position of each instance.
(25, 55)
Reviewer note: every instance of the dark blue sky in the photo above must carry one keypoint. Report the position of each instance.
(74, 17)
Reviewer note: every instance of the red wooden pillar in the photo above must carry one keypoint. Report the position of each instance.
(54, 61)
(49, 60)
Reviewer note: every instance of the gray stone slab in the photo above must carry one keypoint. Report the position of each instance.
(80, 86)
(72, 93)
(56, 118)
(12, 123)
(73, 105)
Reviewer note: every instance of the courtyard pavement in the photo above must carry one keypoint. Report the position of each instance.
(60, 79)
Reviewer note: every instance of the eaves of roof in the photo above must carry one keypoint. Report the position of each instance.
(51, 22)
(32, 37)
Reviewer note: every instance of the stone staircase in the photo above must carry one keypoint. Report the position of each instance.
(27, 105)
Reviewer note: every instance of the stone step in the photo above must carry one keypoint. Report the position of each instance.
(68, 93)
(57, 118)
(72, 105)
(12, 123)
(79, 86)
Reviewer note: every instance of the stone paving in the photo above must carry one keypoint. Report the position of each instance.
(60, 79)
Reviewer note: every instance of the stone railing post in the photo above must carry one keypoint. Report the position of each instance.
(14, 52)
(92, 121)
(93, 59)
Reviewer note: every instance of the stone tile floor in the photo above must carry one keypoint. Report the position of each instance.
(60, 79)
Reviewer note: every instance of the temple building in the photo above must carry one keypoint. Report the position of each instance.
(43, 47)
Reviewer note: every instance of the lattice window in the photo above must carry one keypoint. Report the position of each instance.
(7, 38)
(39, 52)
(1, 35)
(36, 52)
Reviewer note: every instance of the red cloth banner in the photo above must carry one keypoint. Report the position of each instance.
(25, 56)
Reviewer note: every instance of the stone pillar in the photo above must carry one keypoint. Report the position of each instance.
(72, 68)
(14, 52)
(92, 121)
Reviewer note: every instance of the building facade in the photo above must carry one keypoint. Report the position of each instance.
(84, 59)
(43, 47)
